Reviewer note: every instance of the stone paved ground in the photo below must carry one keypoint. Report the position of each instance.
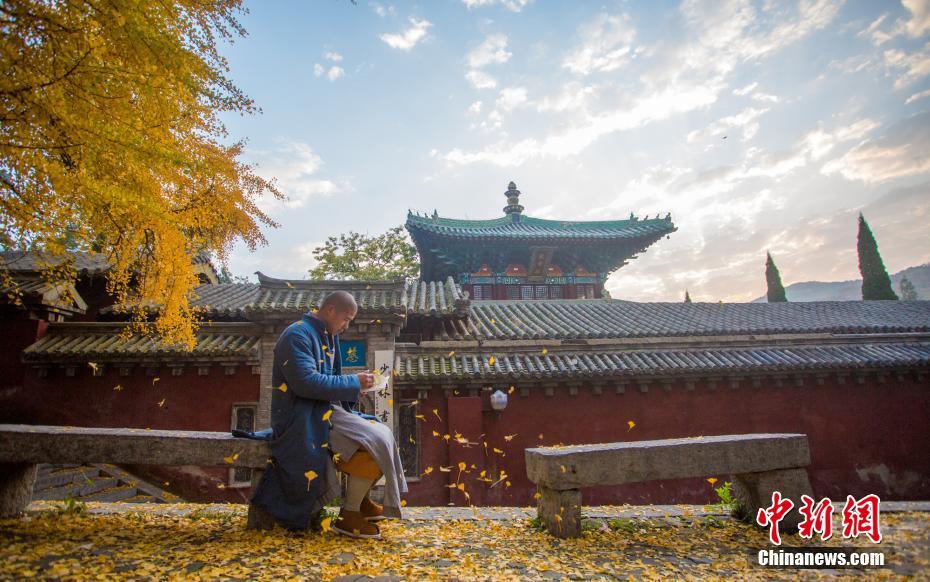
(188, 541)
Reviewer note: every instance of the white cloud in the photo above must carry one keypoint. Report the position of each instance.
(910, 66)
(492, 51)
(510, 98)
(917, 96)
(334, 73)
(475, 107)
(406, 40)
(919, 22)
(744, 120)
(572, 96)
(318, 69)
(607, 45)
(917, 25)
(750, 90)
(512, 5)
(380, 9)
(295, 167)
(333, 56)
(481, 80)
(903, 151)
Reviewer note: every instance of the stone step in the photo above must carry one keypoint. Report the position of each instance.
(59, 477)
(120, 493)
(141, 498)
(77, 490)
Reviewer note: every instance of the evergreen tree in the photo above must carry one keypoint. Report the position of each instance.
(687, 297)
(908, 292)
(776, 291)
(875, 281)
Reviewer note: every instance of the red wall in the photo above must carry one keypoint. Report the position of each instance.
(865, 438)
(192, 402)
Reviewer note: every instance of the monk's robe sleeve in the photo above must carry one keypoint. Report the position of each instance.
(303, 376)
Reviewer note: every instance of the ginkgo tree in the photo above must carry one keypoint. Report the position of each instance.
(110, 139)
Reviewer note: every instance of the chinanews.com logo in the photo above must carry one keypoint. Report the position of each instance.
(859, 518)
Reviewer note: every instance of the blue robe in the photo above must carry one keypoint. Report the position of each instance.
(313, 378)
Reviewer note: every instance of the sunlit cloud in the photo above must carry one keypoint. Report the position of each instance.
(406, 40)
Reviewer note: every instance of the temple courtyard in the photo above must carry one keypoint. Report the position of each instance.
(57, 540)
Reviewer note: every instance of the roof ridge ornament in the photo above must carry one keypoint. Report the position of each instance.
(513, 208)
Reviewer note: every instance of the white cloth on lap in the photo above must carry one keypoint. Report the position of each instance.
(350, 432)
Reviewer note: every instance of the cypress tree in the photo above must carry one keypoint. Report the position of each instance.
(687, 297)
(908, 292)
(876, 284)
(776, 291)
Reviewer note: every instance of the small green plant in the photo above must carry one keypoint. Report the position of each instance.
(624, 525)
(725, 497)
(72, 506)
(536, 523)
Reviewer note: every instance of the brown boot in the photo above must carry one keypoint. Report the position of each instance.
(371, 510)
(353, 524)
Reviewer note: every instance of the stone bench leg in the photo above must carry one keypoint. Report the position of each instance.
(560, 511)
(258, 518)
(754, 491)
(16, 481)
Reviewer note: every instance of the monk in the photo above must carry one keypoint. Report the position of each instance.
(317, 429)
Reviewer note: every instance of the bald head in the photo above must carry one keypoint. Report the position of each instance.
(337, 311)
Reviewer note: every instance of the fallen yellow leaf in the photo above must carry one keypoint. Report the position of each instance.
(327, 414)
(231, 459)
(631, 425)
(711, 480)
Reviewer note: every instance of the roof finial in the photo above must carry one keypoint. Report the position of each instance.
(513, 207)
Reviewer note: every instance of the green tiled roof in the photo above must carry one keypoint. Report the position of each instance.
(605, 318)
(103, 342)
(595, 362)
(539, 228)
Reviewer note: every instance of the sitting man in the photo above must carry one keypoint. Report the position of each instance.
(316, 428)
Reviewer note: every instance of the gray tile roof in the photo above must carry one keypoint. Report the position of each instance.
(669, 362)
(104, 342)
(84, 263)
(430, 298)
(604, 318)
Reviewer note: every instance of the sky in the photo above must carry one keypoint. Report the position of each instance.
(760, 126)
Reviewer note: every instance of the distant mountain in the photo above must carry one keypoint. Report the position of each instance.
(852, 290)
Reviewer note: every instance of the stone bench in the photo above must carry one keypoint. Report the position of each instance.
(23, 447)
(759, 464)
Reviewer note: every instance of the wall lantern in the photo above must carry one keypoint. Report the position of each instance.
(498, 401)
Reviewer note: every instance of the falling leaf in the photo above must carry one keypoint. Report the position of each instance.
(93, 366)
(509, 437)
(325, 524)
(162, 403)
(510, 390)
(540, 436)
(491, 361)
(377, 321)
(493, 321)
(446, 437)
(220, 486)
(310, 475)
(436, 412)
(545, 351)
(336, 457)
(117, 388)
(631, 424)
(283, 387)
(497, 450)
(165, 484)
(446, 469)
(231, 459)
(711, 480)
(419, 417)
(327, 414)
(435, 433)
(537, 495)
(410, 439)
(288, 283)
(562, 468)
(452, 353)
(285, 362)
(506, 483)
(428, 470)
(460, 487)
(462, 465)
(403, 503)
(155, 380)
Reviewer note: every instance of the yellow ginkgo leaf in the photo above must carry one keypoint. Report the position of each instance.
(506, 483)
(510, 390)
(162, 403)
(452, 353)
(428, 470)
(220, 486)
(711, 480)
(435, 433)
(461, 486)
(310, 475)
(446, 469)
(231, 459)
(631, 424)
(446, 437)
(93, 366)
(462, 465)
(545, 351)
(325, 524)
(117, 388)
(436, 412)
(154, 380)
(491, 361)
(327, 414)
(497, 450)
(403, 503)
(410, 439)
(419, 417)
(283, 387)
(537, 495)
(509, 437)
(288, 283)
(336, 457)
(562, 468)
